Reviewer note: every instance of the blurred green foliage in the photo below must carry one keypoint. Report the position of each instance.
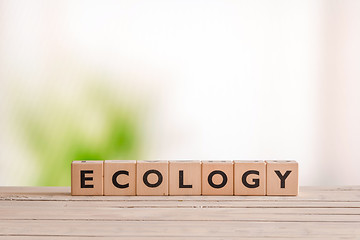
(94, 126)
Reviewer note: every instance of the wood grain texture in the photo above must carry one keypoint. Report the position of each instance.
(282, 178)
(217, 178)
(252, 173)
(52, 213)
(185, 178)
(124, 174)
(89, 174)
(152, 178)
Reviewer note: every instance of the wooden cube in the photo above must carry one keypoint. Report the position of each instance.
(185, 177)
(152, 178)
(249, 178)
(120, 177)
(217, 178)
(282, 178)
(87, 178)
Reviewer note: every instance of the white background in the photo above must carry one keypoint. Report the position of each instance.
(226, 79)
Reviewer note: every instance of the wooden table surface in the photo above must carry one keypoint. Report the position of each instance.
(51, 213)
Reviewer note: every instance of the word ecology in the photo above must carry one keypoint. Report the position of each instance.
(119, 177)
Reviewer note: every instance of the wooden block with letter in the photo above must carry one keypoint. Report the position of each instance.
(217, 178)
(282, 178)
(152, 178)
(87, 178)
(249, 178)
(185, 177)
(120, 177)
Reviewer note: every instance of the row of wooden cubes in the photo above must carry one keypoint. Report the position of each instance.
(121, 177)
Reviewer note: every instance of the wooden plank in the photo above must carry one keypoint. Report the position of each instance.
(205, 214)
(185, 204)
(175, 228)
(63, 194)
(23, 207)
(318, 197)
